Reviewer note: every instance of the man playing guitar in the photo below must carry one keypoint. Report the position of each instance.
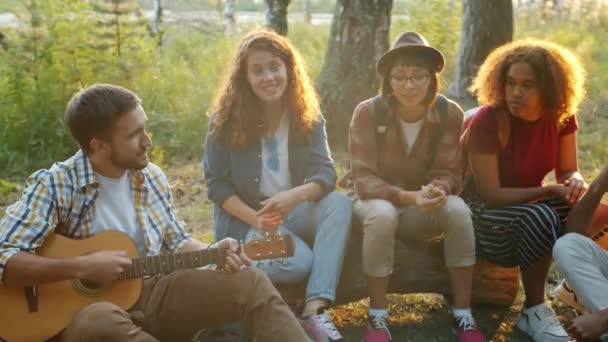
(110, 184)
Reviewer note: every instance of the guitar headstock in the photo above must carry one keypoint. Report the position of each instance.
(270, 247)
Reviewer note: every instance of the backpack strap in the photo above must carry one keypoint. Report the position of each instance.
(441, 105)
(380, 109)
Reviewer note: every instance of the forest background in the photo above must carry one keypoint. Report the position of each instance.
(175, 58)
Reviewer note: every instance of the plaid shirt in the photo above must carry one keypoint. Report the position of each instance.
(382, 173)
(62, 200)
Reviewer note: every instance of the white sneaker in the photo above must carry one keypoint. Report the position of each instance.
(567, 296)
(541, 324)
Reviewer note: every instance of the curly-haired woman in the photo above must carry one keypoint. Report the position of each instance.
(268, 166)
(531, 91)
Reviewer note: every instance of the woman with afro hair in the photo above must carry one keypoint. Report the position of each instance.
(530, 91)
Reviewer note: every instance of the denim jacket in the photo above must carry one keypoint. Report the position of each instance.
(238, 172)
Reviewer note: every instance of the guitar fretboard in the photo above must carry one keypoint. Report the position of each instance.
(167, 263)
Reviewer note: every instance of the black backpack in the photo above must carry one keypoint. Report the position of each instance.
(381, 107)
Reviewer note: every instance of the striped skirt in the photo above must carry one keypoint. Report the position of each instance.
(517, 235)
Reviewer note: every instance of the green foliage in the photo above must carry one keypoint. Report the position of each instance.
(437, 22)
(566, 30)
(9, 5)
(63, 48)
(54, 57)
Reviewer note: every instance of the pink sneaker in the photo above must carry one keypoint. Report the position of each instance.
(320, 328)
(467, 330)
(377, 330)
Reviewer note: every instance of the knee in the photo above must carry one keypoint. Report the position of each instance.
(293, 269)
(552, 218)
(337, 204)
(102, 320)
(380, 217)
(457, 212)
(338, 201)
(569, 245)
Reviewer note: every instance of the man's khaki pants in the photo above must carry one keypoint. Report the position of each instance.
(174, 307)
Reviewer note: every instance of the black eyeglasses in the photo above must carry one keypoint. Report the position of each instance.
(417, 80)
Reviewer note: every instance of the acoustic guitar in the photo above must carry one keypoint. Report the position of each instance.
(40, 312)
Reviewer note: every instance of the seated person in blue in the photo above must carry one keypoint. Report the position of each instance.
(268, 166)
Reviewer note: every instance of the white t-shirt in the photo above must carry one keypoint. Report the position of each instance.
(115, 210)
(275, 160)
(410, 132)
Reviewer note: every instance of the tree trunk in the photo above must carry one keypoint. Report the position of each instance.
(276, 15)
(307, 12)
(229, 20)
(485, 26)
(359, 36)
(419, 268)
(158, 18)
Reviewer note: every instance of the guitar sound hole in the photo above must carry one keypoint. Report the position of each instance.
(87, 288)
(91, 285)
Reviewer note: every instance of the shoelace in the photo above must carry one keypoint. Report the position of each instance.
(326, 323)
(466, 322)
(379, 322)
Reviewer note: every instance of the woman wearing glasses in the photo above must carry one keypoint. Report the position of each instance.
(268, 167)
(405, 177)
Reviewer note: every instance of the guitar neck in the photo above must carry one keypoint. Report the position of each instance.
(167, 263)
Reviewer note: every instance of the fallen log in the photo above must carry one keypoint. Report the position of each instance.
(419, 268)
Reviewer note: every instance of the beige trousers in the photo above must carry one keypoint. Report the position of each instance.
(382, 222)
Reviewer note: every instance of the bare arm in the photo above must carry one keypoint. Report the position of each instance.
(567, 171)
(580, 216)
(485, 172)
(24, 269)
(568, 159)
(237, 208)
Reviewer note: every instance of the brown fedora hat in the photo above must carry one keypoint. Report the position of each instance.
(411, 43)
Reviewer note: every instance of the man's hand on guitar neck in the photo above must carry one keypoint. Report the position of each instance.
(102, 267)
(233, 261)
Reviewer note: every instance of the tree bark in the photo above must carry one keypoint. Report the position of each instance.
(158, 19)
(419, 268)
(307, 12)
(276, 15)
(229, 19)
(359, 36)
(485, 26)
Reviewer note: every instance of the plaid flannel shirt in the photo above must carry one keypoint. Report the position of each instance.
(380, 173)
(62, 200)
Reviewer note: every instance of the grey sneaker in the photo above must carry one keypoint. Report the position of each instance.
(541, 324)
(320, 327)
